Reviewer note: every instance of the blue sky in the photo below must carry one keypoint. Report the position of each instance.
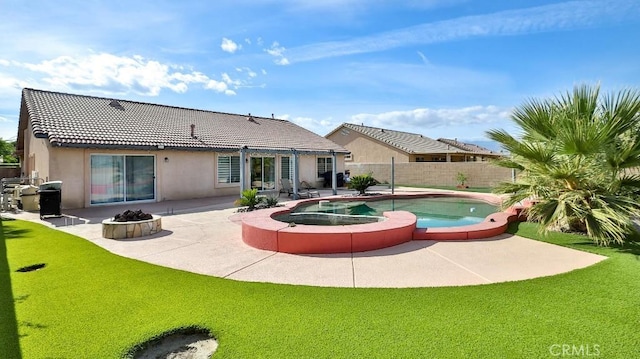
(440, 68)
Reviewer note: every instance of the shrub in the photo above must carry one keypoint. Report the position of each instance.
(271, 201)
(362, 182)
(250, 199)
(462, 178)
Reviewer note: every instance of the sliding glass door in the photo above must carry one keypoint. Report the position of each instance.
(116, 178)
(263, 173)
(140, 175)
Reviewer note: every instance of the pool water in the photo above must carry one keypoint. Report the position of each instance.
(431, 211)
(447, 222)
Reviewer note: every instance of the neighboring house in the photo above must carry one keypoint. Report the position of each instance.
(479, 153)
(378, 145)
(108, 151)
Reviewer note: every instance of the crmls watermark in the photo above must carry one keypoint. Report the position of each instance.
(575, 350)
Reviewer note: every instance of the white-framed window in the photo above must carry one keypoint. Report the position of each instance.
(324, 164)
(122, 178)
(228, 169)
(286, 167)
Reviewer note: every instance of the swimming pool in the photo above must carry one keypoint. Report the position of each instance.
(355, 224)
(431, 212)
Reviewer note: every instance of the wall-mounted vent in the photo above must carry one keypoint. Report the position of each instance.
(116, 104)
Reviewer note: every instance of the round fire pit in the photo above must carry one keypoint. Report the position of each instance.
(125, 225)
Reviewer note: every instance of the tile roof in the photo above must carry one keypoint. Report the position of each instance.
(468, 147)
(411, 143)
(85, 121)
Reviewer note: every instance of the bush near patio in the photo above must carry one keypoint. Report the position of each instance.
(89, 303)
(252, 201)
(578, 156)
(362, 182)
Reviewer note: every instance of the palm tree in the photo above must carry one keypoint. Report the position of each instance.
(579, 156)
(250, 199)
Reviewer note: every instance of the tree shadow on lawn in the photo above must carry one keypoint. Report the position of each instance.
(630, 248)
(9, 344)
(580, 241)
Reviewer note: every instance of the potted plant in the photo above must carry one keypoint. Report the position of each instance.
(462, 178)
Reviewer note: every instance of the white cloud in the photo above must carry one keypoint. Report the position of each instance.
(247, 82)
(282, 61)
(310, 123)
(8, 126)
(11, 85)
(278, 51)
(425, 60)
(116, 74)
(229, 46)
(227, 79)
(433, 118)
(555, 17)
(219, 86)
(250, 73)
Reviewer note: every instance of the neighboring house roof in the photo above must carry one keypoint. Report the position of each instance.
(411, 143)
(69, 120)
(469, 147)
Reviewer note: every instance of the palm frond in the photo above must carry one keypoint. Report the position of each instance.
(578, 156)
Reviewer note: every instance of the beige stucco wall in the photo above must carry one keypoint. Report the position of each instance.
(307, 169)
(36, 155)
(68, 165)
(479, 174)
(185, 175)
(366, 150)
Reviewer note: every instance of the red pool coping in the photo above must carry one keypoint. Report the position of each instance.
(261, 231)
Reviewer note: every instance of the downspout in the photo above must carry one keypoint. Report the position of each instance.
(334, 172)
(243, 156)
(393, 174)
(296, 175)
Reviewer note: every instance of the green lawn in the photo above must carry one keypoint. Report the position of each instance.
(89, 303)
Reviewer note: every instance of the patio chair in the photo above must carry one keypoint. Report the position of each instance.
(306, 185)
(288, 187)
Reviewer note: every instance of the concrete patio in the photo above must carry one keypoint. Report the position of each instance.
(204, 236)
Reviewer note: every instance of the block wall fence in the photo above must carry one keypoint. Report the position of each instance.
(479, 174)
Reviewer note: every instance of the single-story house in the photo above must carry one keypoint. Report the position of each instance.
(377, 145)
(111, 151)
(479, 153)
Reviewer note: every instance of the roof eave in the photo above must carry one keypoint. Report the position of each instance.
(161, 147)
(141, 147)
